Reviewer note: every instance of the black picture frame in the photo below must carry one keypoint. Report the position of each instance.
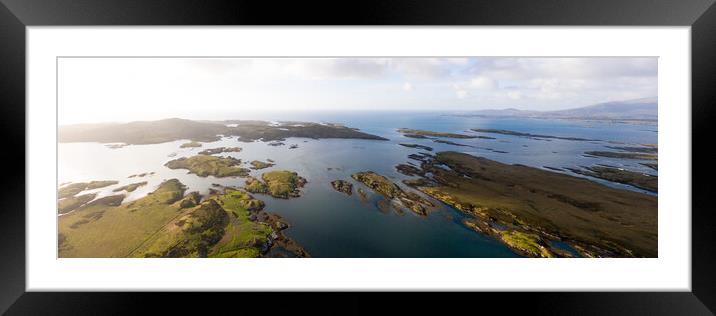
(15, 15)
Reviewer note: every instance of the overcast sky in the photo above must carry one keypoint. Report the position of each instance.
(122, 89)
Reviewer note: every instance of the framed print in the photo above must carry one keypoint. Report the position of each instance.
(386, 149)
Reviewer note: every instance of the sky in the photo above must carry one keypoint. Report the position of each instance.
(125, 89)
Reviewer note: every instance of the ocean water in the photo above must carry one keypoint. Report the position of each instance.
(330, 224)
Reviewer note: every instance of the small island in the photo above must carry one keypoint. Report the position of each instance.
(191, 144)
(419, 132)
(281, 184)
(219, 150)
(392, 191)
(257, 165)
(417, 146)
(342, 186)
(130, 187)
(619, 175)
(205, 165)
(70, 190)
(622, 155)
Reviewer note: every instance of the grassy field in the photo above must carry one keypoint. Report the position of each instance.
(103, 229)
(205, 165)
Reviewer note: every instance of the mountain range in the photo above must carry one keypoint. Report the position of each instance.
(645, 109)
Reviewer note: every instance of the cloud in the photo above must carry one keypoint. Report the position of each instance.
(483, 83)
(407, 86)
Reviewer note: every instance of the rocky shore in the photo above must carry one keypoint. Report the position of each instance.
(528, 209)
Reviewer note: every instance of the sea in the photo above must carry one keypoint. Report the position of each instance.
(331, 224)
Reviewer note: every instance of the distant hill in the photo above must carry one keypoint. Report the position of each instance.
(154, 132)
(639, 109)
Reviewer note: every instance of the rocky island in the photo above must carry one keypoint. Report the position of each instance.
(419, 133)
(281, 184)
(130, 187)
(191, 144)
(528, 208)
(204, 166)
(70, 190)
(342, 186)
(620, 175)
(257, 164)
(219, 150)
(392, 191)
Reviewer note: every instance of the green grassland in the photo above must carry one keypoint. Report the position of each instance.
(70, 203)
(167, 223)
(206, 165)
(283, 183)
(130, 187)
(72, 189)
(104, 229)
(191, 144)
(257, 164)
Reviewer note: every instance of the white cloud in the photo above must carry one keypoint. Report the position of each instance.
(483, 83)
(114, 88)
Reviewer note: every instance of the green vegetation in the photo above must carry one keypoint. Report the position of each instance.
(106, 228)
(597, 220)
(219, 150)
(342, 186)
(622, 155)
(190, 144)
(417, 146)
(154, 132)
(70, 203)
(520, 134)
(636, 179)
(256, 165)
(527, 244)
(283, 183)
(130, 187)
(205, 165)
(390, 190)
(167, 223)
(424, 133)
(72, 189)
(254, 185)
(249, 131)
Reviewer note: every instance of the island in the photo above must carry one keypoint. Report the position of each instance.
(71, 189)
(161, 131)
(257, 165)
(417, 146)
(622, 155)
(392, 192)
(342, 186)
(281, 184)
(169, 223)
(191, 144)
(130, 187)
(529, 209)
(620, 175)
(71, 203)
(219, 150)
(205, 165)
(419, 132)
(529, 135)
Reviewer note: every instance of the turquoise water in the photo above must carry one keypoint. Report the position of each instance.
(331, 224)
